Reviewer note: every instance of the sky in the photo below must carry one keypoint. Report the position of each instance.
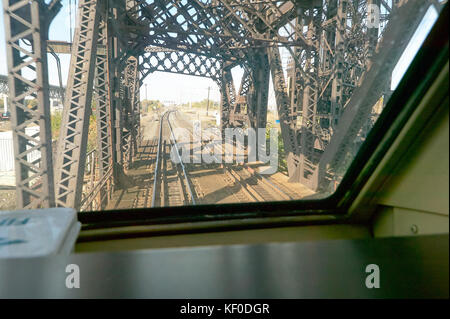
(183, 88)
(413, 46)
(161, 86)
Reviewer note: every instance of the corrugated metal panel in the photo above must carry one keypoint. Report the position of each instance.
(34, 155)
(6, 152)
(7, 149)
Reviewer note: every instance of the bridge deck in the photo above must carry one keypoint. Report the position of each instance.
(138, 192)
(208, 183)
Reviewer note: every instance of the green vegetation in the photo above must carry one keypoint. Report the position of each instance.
(148, 105)
(282, 163)
(92, 135)
(31, 103)
(56, 118)
(203, 104)
(56, 124)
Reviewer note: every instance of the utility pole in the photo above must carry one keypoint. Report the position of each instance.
(146, 100)
(5, 103)
(207, 104)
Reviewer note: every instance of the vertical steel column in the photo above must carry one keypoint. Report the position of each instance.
(115, 10)
(238, 113)
(227, 99)
(337, 83)
(258, 99)
(258, 95)
(308, 135)
(72, 143)
(103, 112)
(132, 10)
(129, 134)
(26, 33)
(371, 40)
(136, 111)
(372, 32)
(288, 131)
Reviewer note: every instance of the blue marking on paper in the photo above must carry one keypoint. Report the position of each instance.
(5, 241)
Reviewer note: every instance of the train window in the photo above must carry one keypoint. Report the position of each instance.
(195, 102)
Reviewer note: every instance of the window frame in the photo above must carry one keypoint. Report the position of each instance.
(417, 80)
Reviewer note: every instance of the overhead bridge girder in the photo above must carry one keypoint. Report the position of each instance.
(181, 63)
(26, 30)
(337, 71)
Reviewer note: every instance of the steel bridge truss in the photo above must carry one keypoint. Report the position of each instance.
(55, 92)
(26, 28)
(325, 96)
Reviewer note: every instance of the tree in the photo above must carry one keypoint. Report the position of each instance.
(56, 124)
(148, 105)
(204, 103)
(32, 103)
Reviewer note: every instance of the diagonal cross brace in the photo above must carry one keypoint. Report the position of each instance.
(72, 143)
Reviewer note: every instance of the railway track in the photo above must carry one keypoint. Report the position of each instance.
(148, 159)
(257, 189)
(157, 181)
(172, 186)
(250, 186)
(137, 193)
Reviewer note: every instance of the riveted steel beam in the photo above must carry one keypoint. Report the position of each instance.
(26, 33)
(72, 143)
(181, 63)
(227, 99)
(259, 89)
(129, 133)
(397, 34)
(103, 116)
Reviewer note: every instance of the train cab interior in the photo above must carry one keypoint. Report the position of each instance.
(390, 209)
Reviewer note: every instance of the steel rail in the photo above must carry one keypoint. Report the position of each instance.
(174, 141)
(269, 183)
(89, 199)
(155, 178)
(264, 179)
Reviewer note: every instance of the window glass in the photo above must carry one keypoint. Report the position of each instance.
(174, 103)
